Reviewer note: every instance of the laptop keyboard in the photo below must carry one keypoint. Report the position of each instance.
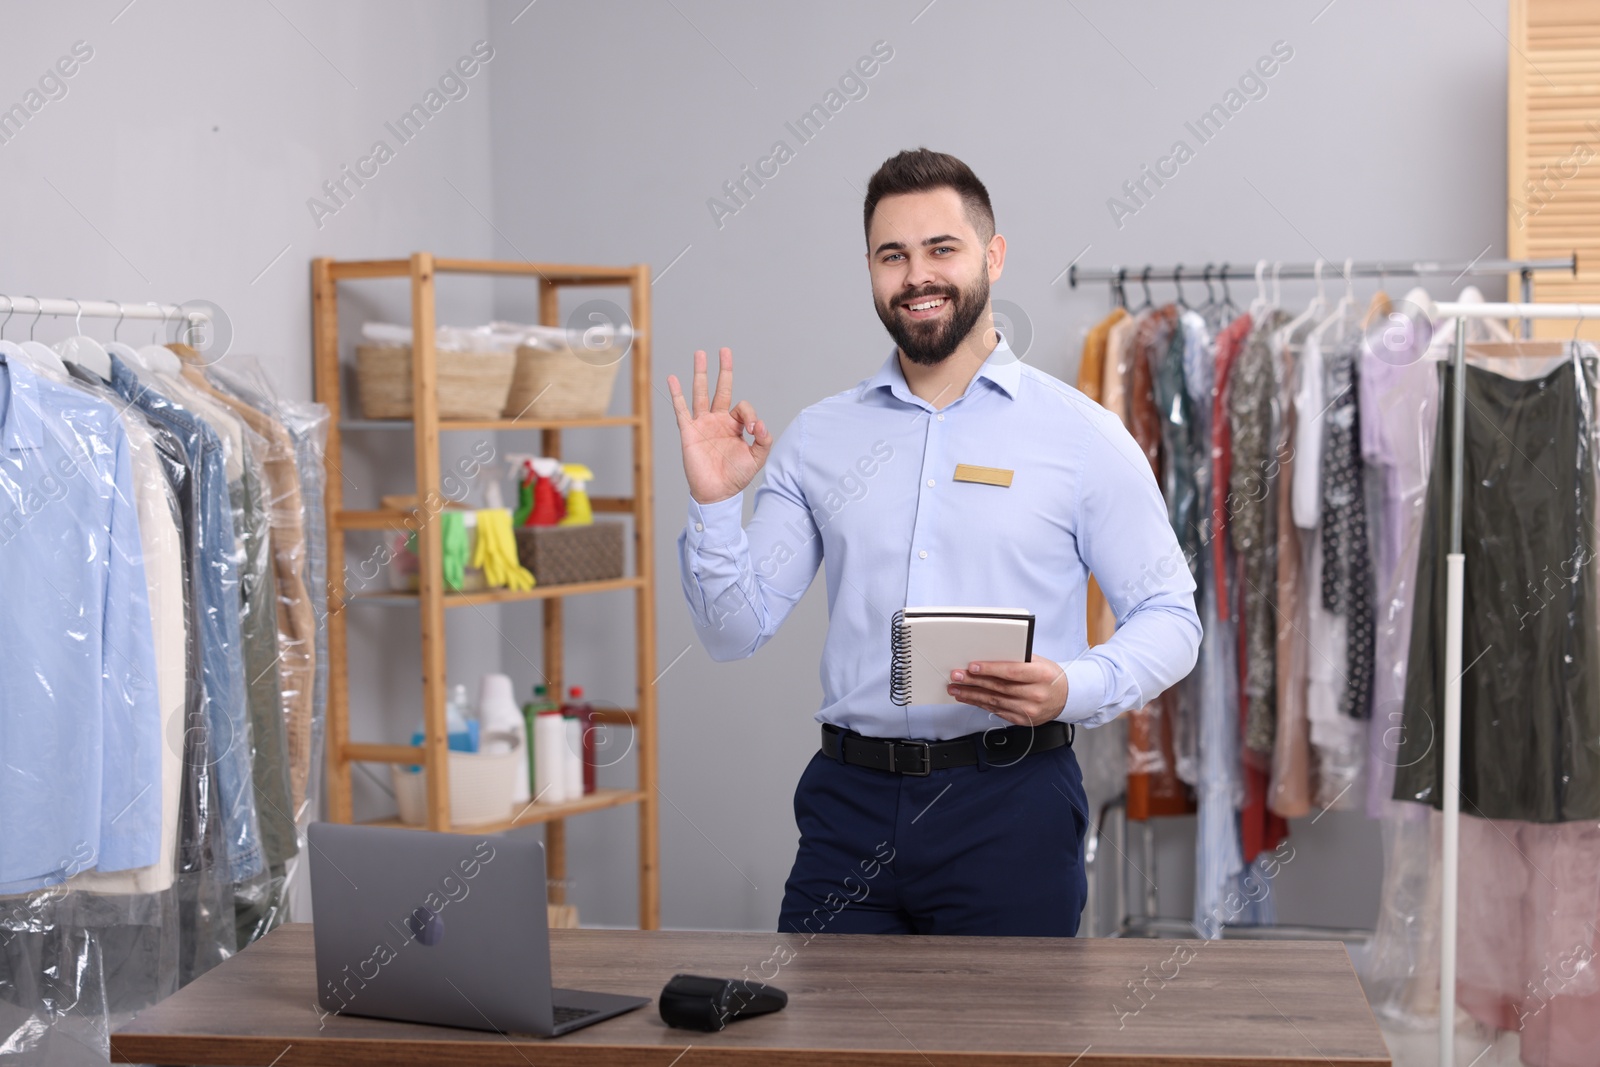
(567, 1015)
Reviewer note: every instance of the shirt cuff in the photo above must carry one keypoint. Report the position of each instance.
(1086, 689)
(718, 523)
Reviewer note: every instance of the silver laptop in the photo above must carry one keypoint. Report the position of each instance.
(440, 928)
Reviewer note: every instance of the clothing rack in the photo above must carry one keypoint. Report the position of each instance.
(1455, 570)
(1301, 271)
(1349, 269)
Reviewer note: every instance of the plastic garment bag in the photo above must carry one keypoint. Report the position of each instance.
(1530, 694)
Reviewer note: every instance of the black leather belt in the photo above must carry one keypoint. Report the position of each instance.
(1002, 745)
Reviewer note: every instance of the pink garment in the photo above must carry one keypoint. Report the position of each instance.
(1529, 935)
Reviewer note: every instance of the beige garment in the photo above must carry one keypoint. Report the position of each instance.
(1091, 379)
(1289, 788)
(297, 622)
(1114, 370)
(1116, 367)
(163, 574)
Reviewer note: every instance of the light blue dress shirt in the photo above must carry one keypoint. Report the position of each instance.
(862, 482)
(80, 722)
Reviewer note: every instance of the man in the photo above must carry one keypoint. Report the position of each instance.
(962, 818)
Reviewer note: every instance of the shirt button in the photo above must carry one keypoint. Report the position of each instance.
(941, 416)
(699, 526)
(923, 554)
(930, 482)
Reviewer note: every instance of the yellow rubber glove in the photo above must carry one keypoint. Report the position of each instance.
(496, 552)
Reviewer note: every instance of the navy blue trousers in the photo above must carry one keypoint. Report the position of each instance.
(990, 850)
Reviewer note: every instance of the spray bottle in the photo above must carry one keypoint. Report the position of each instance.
(579, 511)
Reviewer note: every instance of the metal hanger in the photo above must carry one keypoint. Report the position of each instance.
(1144, 283)
(1177, 283)
(1227, 294)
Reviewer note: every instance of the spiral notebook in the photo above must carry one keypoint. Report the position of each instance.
(928, 643)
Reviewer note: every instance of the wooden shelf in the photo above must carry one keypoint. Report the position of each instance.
(500, 596)
(536, 813)
(432, 599)
(494, 424)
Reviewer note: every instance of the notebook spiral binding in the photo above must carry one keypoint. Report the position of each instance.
(900, 659)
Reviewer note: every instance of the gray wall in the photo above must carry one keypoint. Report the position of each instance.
(615, 122)
(179, 163)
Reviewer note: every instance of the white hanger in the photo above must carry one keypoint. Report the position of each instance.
(1258, 306)
(84, 350)
(159, 359)
(39, 355)
(123, 351)
(1345, 315)
(1315, 310)
(10, 350)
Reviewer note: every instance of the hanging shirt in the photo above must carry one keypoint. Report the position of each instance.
(863, 481)
(80, 718)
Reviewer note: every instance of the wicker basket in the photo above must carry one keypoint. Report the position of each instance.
(472, 385)
(560, 554)
(562, 384)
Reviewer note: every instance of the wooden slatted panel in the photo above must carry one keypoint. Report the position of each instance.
(1553, 148)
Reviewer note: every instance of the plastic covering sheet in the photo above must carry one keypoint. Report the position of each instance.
(143, 567)
(1530, 700)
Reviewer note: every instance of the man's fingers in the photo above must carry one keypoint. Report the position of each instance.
(724, 381)
(701, 404)
(680, 406)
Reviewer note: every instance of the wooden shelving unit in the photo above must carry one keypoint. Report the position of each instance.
(431, 601)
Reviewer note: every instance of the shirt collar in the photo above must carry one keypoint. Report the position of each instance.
(24, 425)
(1002, 368)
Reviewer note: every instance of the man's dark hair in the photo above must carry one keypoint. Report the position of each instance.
(921, 170)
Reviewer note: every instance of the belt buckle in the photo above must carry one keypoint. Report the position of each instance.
(927, 758)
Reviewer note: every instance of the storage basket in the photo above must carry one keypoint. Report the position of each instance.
(482, 785)
(472, 385)
(559, 554)
(562, 383)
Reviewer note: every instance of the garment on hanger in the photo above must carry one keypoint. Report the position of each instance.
(1289, 787)
(1091, 382)
(161, 545)
(1252, 485)
(1530, 698)
(1346, 554)
(1198, 353)
(1229, 343)
(86, 707)
(1529, 938)
(307, 424)
(296, 617)
(214, 581)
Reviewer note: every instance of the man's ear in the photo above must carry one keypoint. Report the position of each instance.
(995, 257)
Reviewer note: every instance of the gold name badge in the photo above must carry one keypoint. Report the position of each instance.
(966, 472)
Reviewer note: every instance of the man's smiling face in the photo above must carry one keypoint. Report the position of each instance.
(930, 272)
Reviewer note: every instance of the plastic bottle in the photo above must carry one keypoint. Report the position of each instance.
(572, 754)
(550, 747)
(583, 711)
(498, 714)
(460, 727)
(530, 713)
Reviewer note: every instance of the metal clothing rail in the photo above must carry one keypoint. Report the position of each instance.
(101, 309)
(1326, 268)
(1455, 564)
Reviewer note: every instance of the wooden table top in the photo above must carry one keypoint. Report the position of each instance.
(853, 1000)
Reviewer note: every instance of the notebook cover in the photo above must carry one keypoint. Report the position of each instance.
(930, 642)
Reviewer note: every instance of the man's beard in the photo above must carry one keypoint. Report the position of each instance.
(931, 342)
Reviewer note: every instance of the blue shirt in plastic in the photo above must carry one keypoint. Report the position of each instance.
(80, 722)
(862, 482)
